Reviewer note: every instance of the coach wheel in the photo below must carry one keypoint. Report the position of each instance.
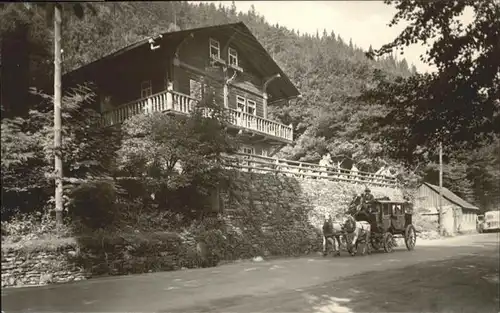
(388, 242)
(410, 237)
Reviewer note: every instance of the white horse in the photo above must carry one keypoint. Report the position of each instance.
(357, 231)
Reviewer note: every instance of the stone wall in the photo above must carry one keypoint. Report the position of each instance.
(265, 214)
(46, 261)
(25, 268)
(281, 215)
(304, 199)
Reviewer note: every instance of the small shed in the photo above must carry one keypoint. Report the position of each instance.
(458, 214)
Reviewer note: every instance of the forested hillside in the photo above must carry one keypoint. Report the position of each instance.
(328, 68)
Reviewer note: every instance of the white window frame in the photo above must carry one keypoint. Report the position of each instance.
(264, 153)
(251, 104)
(146, 89)
(247, 149)
(232, 56)
(215, 44)
(243, 104)
(240, 100)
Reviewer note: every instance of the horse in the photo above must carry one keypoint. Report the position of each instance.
(359, 231)
(332, 230)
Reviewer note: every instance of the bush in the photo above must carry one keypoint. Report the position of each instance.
(23, 227)
(93, 204)
(135, 214)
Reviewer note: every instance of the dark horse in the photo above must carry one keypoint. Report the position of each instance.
(332, 231)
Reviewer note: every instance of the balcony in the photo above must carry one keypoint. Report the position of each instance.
(175, 102)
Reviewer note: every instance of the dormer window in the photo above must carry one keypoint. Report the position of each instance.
(232, 56)
(214, 48)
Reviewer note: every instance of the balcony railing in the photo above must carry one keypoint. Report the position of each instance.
(180, 103)
(262, 164)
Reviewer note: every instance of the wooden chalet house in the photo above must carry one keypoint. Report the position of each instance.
(171, 72)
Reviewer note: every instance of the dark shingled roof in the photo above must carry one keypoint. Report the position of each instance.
(450, 196)
(246, 43)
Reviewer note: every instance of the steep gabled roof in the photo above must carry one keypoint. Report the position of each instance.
(450, 196)
(244, 41)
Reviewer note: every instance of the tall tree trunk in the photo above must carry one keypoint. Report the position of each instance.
(57, 117)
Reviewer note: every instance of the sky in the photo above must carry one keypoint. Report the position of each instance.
(366, 22)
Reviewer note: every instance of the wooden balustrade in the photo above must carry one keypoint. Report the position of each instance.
(261, 164)
(155, 103)
(181, 103)
(260, 124)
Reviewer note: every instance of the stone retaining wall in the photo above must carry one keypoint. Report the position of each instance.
(20, 268)
(265, 214)
(294, 198)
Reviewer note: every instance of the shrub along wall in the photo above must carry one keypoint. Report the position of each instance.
(263, 214)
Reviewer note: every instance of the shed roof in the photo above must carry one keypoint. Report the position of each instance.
(244, 41)
(450, 196)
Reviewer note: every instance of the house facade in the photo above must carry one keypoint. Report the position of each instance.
(173, 71)
(458, 214)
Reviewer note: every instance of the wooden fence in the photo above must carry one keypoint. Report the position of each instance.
(262, 164)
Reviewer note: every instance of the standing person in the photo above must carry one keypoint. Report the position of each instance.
(326, 163)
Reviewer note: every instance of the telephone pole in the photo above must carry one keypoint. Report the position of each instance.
(58, 165)
(440, 200)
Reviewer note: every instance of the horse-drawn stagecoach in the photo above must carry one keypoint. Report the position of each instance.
(378, 222)
(389, 220)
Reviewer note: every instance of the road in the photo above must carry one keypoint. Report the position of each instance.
(452, 275)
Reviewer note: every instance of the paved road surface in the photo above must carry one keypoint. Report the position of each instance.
(453, 275)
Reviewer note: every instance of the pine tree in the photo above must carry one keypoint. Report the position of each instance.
(232, 11)
(252, 13)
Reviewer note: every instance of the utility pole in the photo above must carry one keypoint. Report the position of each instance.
(58, 166)
(440, 200)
